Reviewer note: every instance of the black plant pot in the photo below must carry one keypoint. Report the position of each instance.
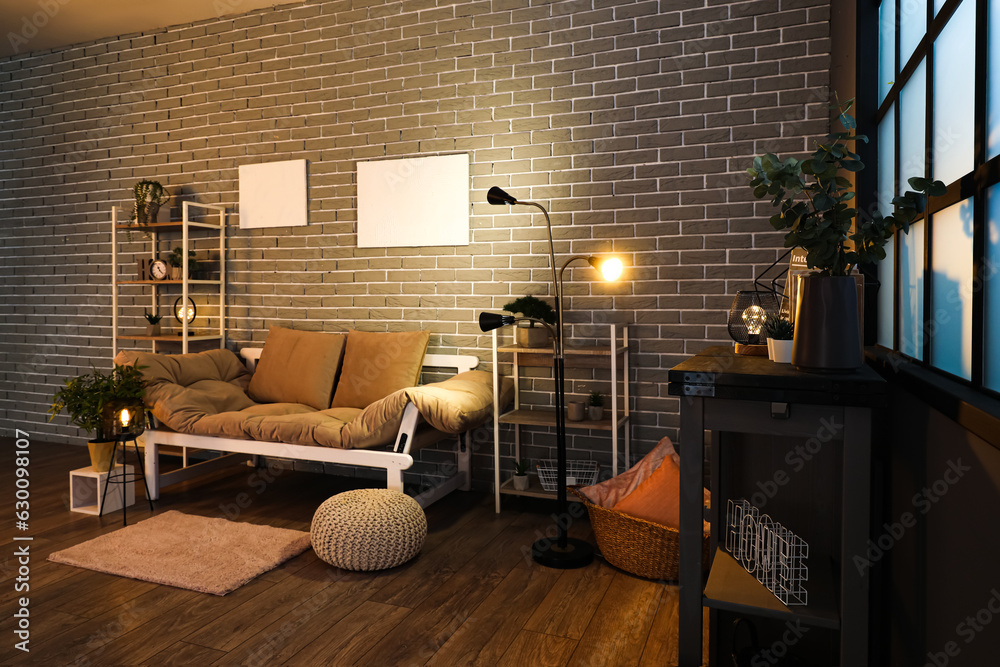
(827, 332)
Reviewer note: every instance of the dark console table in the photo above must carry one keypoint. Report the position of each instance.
(801, 445)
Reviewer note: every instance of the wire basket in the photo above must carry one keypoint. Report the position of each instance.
(583, 473)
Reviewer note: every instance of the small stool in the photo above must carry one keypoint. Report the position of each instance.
(124, 477)
(368, 529)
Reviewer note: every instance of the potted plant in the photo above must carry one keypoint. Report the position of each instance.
(149, 196)
(813, 199)
(153, 323)
(535, 308)
(779, 339)
(521, 475)
(176, 261)
(93, 402)
(595, 410)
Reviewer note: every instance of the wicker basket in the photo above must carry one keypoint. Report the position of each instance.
(641, 547)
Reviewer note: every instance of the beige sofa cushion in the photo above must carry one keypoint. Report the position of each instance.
(377, 364)
(297, 367)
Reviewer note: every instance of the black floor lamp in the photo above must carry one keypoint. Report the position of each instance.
(565, 552)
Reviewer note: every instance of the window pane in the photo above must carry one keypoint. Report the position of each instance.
(911, 291)
(954, 94)
(991, 281)
(886, 191)
(993, 88)
(951, 289)
(912, 115)
(912, 26)
(886, 296)
(886, 47)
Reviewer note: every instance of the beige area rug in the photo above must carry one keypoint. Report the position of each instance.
(194, 552)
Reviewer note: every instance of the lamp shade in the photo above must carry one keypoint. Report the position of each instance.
(180, 312)
(497, 197)
(746, 317)
(491, 321)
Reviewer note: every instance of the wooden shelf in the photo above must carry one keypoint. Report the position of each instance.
(167, 282)
(587, 351)
(731, 588)
(534, 490)
(166, 338)
(547, 417)
(165, 226)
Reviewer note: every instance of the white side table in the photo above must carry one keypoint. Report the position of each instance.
(86, 485)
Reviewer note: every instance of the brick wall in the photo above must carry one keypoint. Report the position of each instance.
(632, 121)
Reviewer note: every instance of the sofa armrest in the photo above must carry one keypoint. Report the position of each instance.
(251, 355)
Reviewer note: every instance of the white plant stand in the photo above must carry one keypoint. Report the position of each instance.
(86, 486)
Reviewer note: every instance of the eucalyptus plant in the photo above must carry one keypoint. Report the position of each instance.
(813, 199)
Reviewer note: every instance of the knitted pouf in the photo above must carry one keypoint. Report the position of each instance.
(368, 529)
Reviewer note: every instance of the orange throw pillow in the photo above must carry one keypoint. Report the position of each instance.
(658, 498)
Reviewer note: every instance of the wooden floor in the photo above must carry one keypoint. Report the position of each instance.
(472, 597)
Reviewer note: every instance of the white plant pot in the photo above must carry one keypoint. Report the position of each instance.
(779, 351)
(520, 482)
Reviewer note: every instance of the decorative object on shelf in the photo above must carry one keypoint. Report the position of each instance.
(142, 267)
(812, 198)
(521, 475)
(576, 411)
(94, 403)
(564, 552)
(176, 261)
(582, 473)
(158, 270)
(152, 323)
(595, 407)
(779, 339)
(774, 555)
(181, 313)
(532, 308)
(149, 196)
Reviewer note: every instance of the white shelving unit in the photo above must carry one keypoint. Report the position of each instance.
(616, 415)
(162, 235)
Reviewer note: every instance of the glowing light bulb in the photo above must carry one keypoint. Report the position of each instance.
(124, 417)
(754, 318)
(612, 269)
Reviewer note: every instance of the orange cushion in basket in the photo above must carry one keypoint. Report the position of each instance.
(657, 499)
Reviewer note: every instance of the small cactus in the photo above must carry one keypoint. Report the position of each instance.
(778, 328)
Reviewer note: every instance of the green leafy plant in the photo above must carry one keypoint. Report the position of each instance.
(778, 328)
(93, 400)
(152, 318)
(521, 467)
(176, 259)
(813, 201)
(596, 399)
(149, 196)
(533, 307)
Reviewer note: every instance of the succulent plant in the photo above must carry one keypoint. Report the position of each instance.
(778, 328)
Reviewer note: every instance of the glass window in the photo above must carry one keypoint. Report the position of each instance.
(911, 291)
(886, 191)
(954, 95)
(990, 281)
(886, 47)
(912, 116)
(993, 89)
(951, 289)
(912, 26)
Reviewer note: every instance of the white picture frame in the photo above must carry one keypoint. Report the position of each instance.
(274, 194)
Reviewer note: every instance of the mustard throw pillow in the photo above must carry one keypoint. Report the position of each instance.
(377, 364)
(297, 367)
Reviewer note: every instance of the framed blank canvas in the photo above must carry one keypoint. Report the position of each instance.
(273, 194)
(413, 202)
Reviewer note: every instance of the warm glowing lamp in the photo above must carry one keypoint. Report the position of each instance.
(124, 417)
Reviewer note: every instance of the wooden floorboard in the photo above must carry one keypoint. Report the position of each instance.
(472, 597)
